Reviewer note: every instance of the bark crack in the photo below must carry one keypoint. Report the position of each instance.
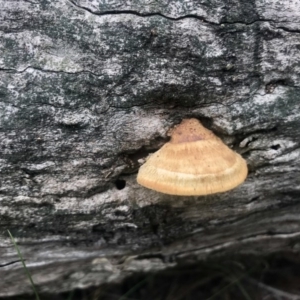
(238, 241)
(191, 16)
(10, 263)
(49, 71)
(133, 12)
(288, 29)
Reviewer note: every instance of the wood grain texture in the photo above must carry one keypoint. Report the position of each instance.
(88, 89)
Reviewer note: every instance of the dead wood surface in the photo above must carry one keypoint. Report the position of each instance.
(88, 88)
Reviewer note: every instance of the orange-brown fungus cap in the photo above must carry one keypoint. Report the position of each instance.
(194, 162)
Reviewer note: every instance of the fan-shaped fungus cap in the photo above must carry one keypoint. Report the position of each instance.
(194, 162)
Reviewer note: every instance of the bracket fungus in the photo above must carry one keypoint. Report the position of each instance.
(194, 162)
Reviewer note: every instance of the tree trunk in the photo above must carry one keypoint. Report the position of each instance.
(89, 88)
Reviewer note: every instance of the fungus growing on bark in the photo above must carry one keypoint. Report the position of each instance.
(194, 162)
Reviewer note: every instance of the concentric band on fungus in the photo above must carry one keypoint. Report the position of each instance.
(194, 162)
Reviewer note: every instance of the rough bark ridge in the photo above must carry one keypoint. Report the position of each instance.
(87, 88)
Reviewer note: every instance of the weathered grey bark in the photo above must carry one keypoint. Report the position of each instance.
(89, 87)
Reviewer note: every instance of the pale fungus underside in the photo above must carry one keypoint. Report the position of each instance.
(194, 162)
